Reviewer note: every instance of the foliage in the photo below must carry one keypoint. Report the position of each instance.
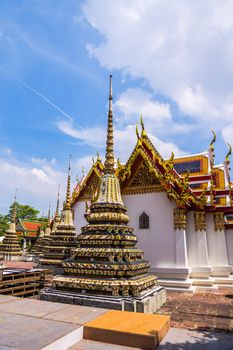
(3, 224)
(24, 212)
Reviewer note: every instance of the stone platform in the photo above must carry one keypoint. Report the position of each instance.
(27, 324)
(149, 302)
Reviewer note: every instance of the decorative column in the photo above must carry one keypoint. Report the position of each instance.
(180, 232)
(219, 221)
(200, 228)
(219, 255)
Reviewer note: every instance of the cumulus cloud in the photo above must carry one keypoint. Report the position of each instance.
(227, 134)
(35, 184)
(92, 136)
(134, 101)
(184, 50)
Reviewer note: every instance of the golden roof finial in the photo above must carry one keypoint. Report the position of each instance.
(109, 158)
(67, 202)
(137, 132)
(228, 154)
(213, 141)
(142, 125)
(13, 213)
(98, 156)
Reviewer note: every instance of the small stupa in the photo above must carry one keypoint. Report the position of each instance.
(10, 247)
(107, 269)
(62, 238)
(43, 237)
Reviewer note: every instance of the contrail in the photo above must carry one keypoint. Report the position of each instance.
(40, 95)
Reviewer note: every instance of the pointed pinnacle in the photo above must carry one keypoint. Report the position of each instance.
(67, 203)
(109, 158)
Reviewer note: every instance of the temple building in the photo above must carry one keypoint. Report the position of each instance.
(181, 209)
(10, 248)
(62, 239)
(107, 267)
(28, 232)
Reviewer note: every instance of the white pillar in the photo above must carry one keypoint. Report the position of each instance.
(181, 248)
(180, 233)
(24, 244)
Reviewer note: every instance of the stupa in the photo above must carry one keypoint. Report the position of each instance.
(62, 238)
(107, 269)
(43, 237)
(10, 247)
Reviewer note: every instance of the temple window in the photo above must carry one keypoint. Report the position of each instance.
(193, 166)
(144, 221)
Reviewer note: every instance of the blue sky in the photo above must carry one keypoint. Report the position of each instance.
(171, 61)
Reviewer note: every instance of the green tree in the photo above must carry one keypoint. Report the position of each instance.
(24, 212)
(3, 224)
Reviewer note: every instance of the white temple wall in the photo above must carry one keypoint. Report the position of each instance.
(191, 240)
(159, 241)
(216, 243)
(79, 211)
(229, 240)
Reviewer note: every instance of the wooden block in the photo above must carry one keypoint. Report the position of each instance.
(133, 329)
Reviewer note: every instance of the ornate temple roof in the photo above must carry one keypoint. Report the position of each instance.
(192, 181)
(28, 227)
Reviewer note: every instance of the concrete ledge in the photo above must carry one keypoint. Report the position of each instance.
(148, 302)
(174, 273)
(124, 328)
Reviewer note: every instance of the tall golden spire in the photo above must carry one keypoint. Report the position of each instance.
(49, 211)
(57, 208)
(13, 213)
(109, 158)
(67, 203)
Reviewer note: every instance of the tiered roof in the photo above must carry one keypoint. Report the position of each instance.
(10, 247)
(62, 238)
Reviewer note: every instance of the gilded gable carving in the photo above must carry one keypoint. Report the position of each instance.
(143, 181)
(90, 189)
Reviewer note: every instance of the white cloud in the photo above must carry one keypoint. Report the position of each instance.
(227, 134)
(36, 185)
(92, 136)
(183, 48)
(133, 102)
(124, 142)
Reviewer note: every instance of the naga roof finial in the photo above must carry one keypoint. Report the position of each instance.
(213, 140)
(109, 158)
(142, 125)
(137, 132)
(228, 154)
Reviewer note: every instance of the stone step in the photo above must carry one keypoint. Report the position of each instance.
(203, 282)
(181, 290)
(128, 329)
(86, 344)
(205, 288)
(175, 283)
(225, 286)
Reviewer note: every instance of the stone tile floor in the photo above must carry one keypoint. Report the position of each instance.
(201, 310)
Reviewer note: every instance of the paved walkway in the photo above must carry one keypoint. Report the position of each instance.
(200, 311)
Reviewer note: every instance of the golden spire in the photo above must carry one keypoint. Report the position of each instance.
(49, 211)
(109, 158)
(13, 213)
(67, 203)
(57, 208)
